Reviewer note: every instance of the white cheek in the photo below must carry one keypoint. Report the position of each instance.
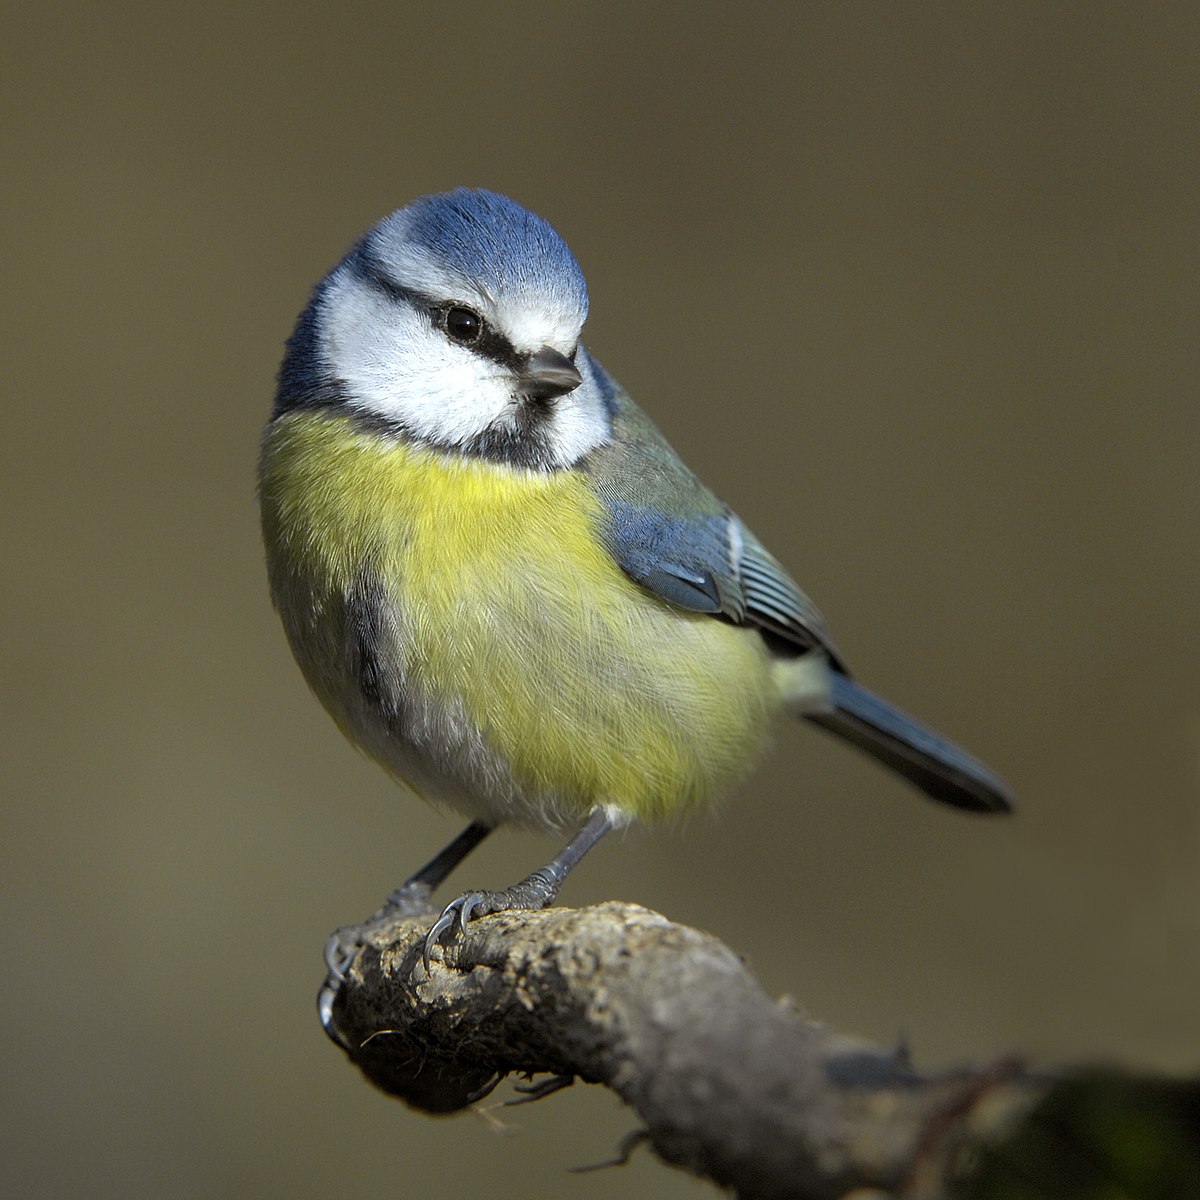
(579, 424)
(396, 365)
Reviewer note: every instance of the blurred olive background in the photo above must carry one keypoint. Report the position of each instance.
(913, 286)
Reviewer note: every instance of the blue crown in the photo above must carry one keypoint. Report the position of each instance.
(489, 238)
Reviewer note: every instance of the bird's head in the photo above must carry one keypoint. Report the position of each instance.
(455, 323)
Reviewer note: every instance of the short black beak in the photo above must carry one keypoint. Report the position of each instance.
(548, 375)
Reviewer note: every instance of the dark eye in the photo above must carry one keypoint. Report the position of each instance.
(463, 325)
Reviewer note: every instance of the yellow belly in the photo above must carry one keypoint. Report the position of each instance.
(503, 609)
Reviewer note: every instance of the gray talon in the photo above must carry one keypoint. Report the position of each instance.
(338, 956)
(532, 893)
(466, 906)
(325, 999)
(456, 914)
(444, 922)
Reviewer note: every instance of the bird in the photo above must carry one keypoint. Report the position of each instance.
(503, 583)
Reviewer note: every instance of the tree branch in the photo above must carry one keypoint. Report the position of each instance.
(729, 1084)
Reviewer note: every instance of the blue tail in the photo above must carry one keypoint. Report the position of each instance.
(938, 767)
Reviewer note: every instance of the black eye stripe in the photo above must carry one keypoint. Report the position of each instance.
(490, 344)
(487, 343)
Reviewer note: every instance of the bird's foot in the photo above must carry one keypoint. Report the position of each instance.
(340, 948)
(532, 893)
(408, 900)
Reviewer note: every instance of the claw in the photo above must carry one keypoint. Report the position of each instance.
(444, 922)
(326, 999)
(535, 891)
(466, 906)
(338, 956)
(531, 1092)
(456, 914)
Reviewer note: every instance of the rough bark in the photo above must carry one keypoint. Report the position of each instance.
(727, 1083)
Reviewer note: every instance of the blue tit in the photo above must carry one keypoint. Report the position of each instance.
(502, 582)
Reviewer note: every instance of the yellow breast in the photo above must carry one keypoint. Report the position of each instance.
(506, 607)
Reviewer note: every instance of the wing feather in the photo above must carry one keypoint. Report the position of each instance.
(678, 540)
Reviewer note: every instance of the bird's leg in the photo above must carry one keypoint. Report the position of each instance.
(412, 894)
(535, 891)
(410, 898)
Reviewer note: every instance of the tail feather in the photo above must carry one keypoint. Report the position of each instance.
(939, 768)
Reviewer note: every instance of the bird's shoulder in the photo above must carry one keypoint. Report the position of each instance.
(673, 535)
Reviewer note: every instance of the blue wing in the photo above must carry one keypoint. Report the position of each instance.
(678, 540)
(672, 535)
